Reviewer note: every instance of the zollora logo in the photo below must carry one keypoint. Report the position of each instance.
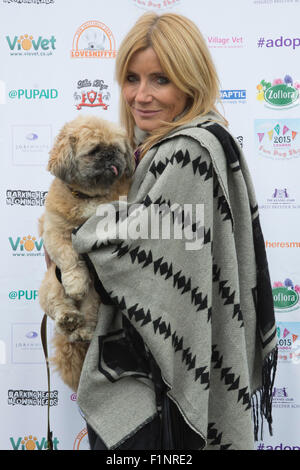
(28, 245)
(281, 93)
(286, 295)
(278, 140)
(93, 39)
(31, 442)
(27, 45)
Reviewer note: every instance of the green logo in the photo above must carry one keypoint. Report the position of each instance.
(281, 93)
(284, 298)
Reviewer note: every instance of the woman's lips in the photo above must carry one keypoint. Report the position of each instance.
(146, 113)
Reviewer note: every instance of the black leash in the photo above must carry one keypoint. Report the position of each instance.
(45, 348)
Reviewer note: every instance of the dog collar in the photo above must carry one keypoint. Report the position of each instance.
(79, 194)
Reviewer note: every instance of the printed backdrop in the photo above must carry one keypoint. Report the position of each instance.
(57, 60)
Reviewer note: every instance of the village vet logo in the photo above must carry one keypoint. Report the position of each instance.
(93, 39)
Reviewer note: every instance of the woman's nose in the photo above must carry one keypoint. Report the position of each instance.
(143, 93)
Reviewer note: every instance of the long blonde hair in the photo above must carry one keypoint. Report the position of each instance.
(184, 58)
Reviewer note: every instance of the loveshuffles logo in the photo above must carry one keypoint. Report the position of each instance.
(281, 93)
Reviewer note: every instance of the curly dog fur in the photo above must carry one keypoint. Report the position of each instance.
(93, 163)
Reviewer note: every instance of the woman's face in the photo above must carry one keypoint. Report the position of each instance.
(149, 93)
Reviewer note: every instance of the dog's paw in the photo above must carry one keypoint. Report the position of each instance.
(83, 334)
(76, 282)
(69, 322)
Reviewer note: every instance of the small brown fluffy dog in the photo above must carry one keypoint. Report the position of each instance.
(93, 164)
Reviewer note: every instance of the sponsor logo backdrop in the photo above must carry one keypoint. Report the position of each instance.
(57, 60)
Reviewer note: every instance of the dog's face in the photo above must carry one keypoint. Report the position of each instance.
(91, 152)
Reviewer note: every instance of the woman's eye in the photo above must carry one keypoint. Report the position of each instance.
(131, 78)
(163, 80)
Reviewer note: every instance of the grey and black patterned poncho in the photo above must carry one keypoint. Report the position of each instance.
(206, 315)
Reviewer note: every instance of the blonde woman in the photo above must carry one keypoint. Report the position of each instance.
(184, 354)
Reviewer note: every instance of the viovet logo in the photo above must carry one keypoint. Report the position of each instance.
(286, 295)
(26, 44)
(31, 442)
(26, 246)
(281, 93)
(93, 40)
(92, 94)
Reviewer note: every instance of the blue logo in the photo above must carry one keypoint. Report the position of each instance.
(233, 94)
(31, 334)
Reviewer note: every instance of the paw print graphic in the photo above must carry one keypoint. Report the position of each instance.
(25, 42)
(29, 442)
(28, 242)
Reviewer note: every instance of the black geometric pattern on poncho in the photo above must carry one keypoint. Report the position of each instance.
(162, 328)
(215, 437)
(180, 281)
(222, 206)
(230, 378)
(199, 167)
(227, 294)
(178, 215)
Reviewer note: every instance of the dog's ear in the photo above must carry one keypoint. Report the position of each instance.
(61, 155)
(130, 160)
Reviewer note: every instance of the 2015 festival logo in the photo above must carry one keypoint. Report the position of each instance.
(26, 44)
(277, 139)
(156, 5)
(288, 341)
(286, 295)
(281, 93)
(93, 40)
(92, 94)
